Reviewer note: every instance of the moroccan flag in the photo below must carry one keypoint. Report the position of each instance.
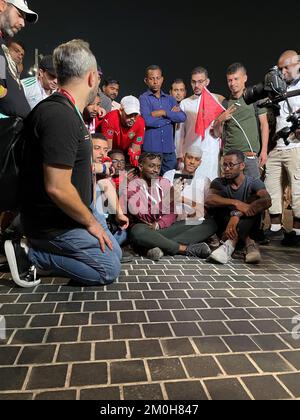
(209, 110)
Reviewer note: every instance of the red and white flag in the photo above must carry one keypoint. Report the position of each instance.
(209, 110)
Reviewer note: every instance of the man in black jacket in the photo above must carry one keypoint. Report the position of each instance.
(12, 19)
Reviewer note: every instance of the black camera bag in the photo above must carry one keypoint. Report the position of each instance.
(11, 151)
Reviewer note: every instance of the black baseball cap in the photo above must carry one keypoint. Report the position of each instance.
(46, 64)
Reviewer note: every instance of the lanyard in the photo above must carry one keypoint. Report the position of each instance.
(72, 100)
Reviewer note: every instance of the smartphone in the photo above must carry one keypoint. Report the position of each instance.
(181, 176)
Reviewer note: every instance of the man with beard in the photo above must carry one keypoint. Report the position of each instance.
(238, 203)
(286, 158)
(12, 98)
(186, 135)
(17, 52)
(64, 238)
(125, 129)
(155, 229)
(40, 87)
(93, 115)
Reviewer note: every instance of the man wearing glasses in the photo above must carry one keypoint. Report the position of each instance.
(187, 137)
(237, 203)
(125, 129)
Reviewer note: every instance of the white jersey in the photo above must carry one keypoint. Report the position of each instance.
(197, 191)
(186, 136)
(34, 91)
(284, 113)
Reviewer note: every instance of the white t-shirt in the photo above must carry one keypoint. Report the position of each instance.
(196, 191)
(284, 113)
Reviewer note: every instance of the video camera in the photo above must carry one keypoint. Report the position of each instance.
(274, 90)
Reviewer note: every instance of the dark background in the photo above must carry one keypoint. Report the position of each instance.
(127, 36)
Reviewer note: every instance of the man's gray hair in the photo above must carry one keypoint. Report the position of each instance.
(73, 60)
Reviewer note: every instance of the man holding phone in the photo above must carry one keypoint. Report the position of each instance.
(155, 228)
(191, 189)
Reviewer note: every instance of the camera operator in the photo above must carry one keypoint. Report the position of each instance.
(286, 156)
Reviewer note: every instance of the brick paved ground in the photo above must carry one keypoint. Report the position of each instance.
(180, 329)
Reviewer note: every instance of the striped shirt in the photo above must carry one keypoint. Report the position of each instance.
(34, 91)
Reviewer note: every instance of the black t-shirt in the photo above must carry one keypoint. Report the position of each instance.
(245, 193)
(54, 135)
(14, 104)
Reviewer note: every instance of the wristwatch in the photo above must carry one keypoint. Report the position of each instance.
(236, 213)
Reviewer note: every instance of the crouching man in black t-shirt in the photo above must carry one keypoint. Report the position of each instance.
(64, 238)
(237, 202)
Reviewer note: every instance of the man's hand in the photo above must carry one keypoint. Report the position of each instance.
(227, 115)
(109, 171)
(231, 231)
(159, 114)
(242, 207)
(98, 232)
(263, 159)
(102, 113)
(153, 226)
(180, 164)
(176, 108)
(178, 188)
(252, 211)
(122, 221)
(132, 174)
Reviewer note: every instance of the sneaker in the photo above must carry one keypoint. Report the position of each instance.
(201, 250)
(23, 273)
(223, 254)
(274, 236)
(155, 254)
(290, 239)
(261, 237)
(253, 255)
(127, 257)
(214, 242)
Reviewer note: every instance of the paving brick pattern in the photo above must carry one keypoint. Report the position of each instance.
(180, 329)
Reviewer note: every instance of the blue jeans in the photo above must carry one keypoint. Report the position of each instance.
(169, 163)
(120, 236)
(252, 167)
(77, 255)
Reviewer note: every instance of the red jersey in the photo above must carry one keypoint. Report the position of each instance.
(123, 137)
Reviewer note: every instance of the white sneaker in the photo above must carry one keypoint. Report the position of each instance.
(22, 271)
(223, 254)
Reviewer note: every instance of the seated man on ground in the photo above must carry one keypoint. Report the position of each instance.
(191, 186)
(151, 207)
(106, 206)
(238, 203)
(118, 159)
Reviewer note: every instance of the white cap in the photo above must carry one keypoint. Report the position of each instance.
(195, 150)
(22, 5)
(131, 105)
